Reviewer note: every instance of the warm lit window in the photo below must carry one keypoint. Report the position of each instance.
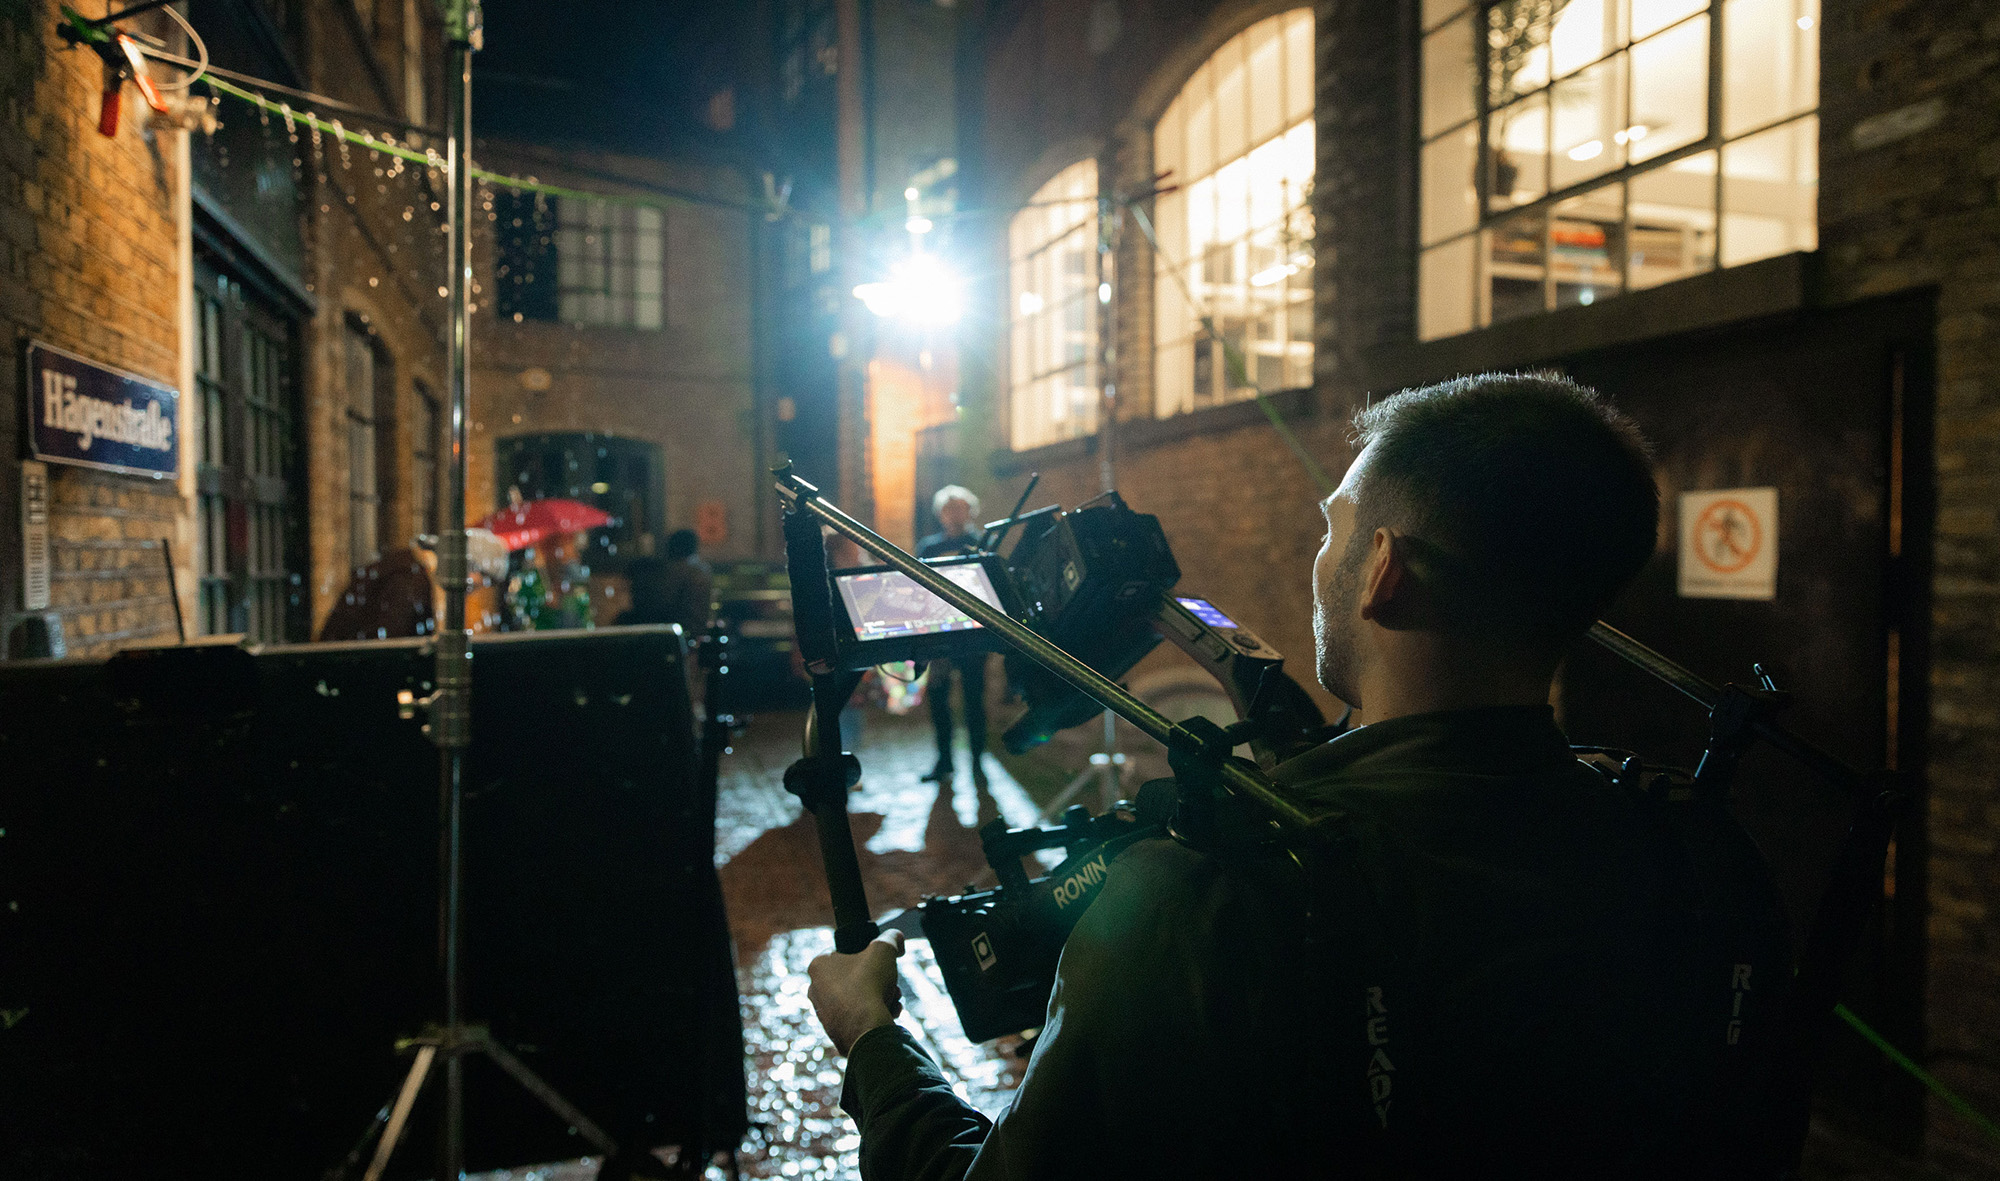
(1052, 269)
(1575, 149)
(610, 262)
(1236, 235)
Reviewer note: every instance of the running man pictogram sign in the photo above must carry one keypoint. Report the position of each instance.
(1729, 544)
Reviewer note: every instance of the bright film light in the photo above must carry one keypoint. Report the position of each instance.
(921, 290)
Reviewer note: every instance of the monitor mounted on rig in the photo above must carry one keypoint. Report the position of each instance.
(882, 615)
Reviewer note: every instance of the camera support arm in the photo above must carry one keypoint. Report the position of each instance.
(802, 499)
(1738, 716)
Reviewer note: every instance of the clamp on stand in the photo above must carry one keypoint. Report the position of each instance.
(119, 51)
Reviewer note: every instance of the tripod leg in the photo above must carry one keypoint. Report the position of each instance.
(399, 1116)
(353, 1160)
(533, 1084)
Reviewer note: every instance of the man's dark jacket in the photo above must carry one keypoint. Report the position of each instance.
(1190, 1035)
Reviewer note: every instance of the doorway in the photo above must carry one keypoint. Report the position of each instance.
(1833, 410)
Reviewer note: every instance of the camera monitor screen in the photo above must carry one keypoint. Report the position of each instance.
(1205, 611)
(887, 605)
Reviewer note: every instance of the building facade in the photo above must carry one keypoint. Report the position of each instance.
(613, 351)
(276, 283)
(97, 239)
(1770, 233)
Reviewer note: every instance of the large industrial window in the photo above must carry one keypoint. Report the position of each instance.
(1236, 234)
(1052, 272)
(1577, 149)
(250, 548)
(579, 261)
(610, 263)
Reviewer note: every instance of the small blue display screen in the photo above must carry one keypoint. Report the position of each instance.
(1205, 611)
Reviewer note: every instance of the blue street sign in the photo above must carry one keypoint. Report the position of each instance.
(84, 413)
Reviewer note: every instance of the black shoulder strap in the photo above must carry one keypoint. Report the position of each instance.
(1372, 1069)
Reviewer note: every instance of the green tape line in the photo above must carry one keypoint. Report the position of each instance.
(1952, 1098)
(1239, 367)
(429, 159)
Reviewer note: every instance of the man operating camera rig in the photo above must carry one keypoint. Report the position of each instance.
(1492, 987)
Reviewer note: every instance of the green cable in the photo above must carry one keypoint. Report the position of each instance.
(1951, 1098)
(1239, 369)
(429, 158)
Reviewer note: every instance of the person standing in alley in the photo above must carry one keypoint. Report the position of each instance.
(676, 590)
(955, 508)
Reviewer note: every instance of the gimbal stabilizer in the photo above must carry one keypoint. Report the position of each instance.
(821, 779)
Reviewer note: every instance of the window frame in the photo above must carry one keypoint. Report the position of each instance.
(249, 466)
(1290, 314)
(1716, 139)
(370, 417)
(1045, 321)
(601, 283)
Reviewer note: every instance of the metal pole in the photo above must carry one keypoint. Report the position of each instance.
(803, 497)
(451, 712)
(1110, 216)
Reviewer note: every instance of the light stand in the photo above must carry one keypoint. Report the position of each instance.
(1107, 765)
(450, 704)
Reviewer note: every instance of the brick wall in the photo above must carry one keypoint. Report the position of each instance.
(1237, 506)
(375, 260)
(90, 262)
(1924, 211)
(687, 387)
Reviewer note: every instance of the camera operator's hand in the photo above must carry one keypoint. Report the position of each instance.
(853, 994)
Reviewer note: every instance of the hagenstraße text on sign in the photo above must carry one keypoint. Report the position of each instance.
(84, 413)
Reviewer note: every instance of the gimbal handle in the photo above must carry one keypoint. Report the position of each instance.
(823, 777)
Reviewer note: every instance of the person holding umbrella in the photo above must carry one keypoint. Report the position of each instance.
(552, 589)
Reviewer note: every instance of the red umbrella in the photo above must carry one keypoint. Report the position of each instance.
(523, 525)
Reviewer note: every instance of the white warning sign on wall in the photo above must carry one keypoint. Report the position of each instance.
(1729, 544)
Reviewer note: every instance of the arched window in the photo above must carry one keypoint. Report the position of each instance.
(1052, 270)
(1236, 236)
(1577, 149)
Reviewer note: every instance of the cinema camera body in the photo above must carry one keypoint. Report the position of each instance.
(1099, 581)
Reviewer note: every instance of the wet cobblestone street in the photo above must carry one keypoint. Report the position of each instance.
(915, 839)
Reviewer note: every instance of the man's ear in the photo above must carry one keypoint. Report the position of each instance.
(1387, 581)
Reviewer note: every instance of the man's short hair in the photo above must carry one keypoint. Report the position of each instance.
(1532, 496)
(951, 492)
(682, 543)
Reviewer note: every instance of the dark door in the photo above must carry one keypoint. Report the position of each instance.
(251, 509)
(623, 477)
(1833, 410)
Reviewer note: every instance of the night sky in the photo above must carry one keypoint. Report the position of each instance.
(624, 74)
